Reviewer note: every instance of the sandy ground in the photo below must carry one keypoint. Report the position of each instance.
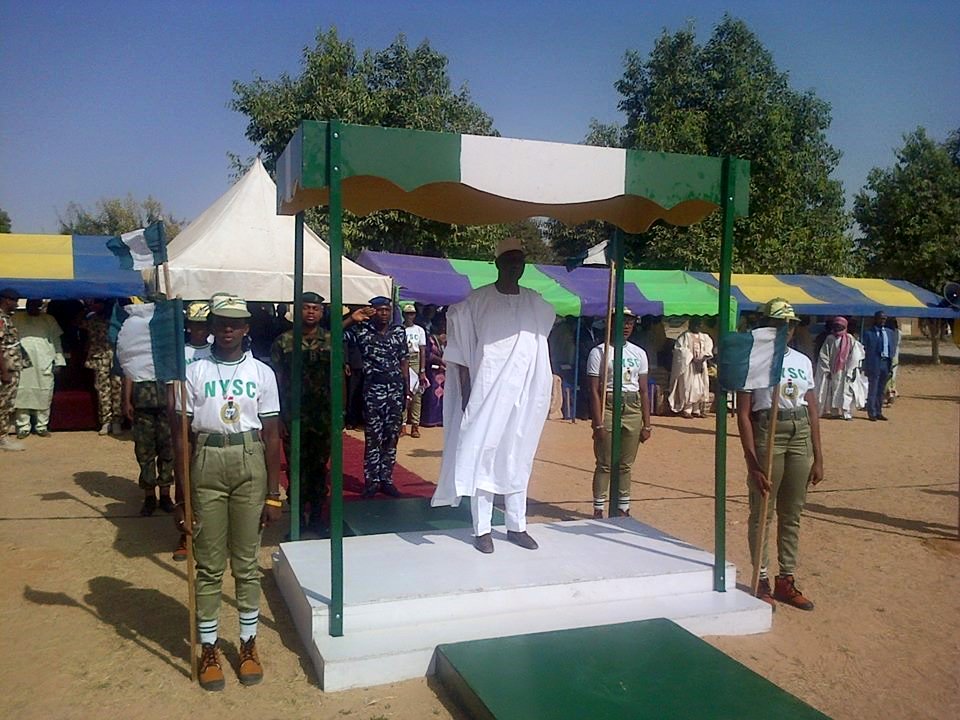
(93, 611)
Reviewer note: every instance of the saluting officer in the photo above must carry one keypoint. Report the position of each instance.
(234, 408)
(386, 389)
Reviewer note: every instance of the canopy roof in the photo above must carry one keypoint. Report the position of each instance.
(582, 291)
(481, 180)
(825, 295)
(64, 266)
(240, 245)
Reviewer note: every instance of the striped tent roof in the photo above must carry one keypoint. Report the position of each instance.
(64, 266)
(826, 295)
(477, 180)
(582, 291)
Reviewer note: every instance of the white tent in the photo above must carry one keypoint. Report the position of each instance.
(240, 245)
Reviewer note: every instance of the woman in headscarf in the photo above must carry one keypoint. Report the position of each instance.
(832, 370)
(432, 414)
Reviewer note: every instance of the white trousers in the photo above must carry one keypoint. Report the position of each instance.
(481, 510)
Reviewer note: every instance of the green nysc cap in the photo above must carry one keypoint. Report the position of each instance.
(230, 306)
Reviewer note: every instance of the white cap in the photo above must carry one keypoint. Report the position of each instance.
(508, 244)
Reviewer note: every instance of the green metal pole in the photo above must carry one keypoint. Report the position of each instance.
(617, 339)
(296, 378)
(336, 377)
(728, 191)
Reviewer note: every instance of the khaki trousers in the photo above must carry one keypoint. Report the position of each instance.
(229, 487)
(792, 460)
(631, 423)
(416, 402)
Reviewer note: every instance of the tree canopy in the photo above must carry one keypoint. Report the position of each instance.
(400, 87)
(5, 223)
(727, 97)
(114, 216)
(910, 213)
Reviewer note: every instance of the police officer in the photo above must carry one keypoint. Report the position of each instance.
(386, 389)
(10, 362)
(314, 406)
(234, 409)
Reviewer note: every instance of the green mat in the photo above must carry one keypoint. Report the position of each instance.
(652, 669)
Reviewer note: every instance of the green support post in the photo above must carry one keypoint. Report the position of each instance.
(296, 379)
(617, 338)
(728, 192)
(336, 377)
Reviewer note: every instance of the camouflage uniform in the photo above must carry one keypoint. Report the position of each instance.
(151, 434)
(314, 411)
(100, 360)
(10, 347)
(383, 397)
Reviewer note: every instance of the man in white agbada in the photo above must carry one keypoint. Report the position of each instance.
(496, 398)
(839, 379)
(40, 338)
(689, 378)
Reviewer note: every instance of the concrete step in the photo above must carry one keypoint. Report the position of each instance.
(407, 592)
(402, 652)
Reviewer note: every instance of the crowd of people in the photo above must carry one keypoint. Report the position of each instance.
(503, 349)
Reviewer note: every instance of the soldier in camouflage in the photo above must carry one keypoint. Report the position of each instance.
(386, 390)
(100, 360)
(10, 360)
(145, 406)
(314, 406)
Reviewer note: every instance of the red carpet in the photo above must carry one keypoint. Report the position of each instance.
(408, 483)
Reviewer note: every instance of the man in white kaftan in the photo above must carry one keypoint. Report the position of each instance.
(496, 398)
(689, 378)
(40, 338)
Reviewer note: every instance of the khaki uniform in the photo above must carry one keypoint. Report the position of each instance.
(10, 347)
(100, 360)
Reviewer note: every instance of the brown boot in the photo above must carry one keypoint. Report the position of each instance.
(210, 673)
(597, 514)
(786, 591)
(250, 671)
(763, 592)
(180, 554)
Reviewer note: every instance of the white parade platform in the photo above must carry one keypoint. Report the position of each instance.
(406, 593)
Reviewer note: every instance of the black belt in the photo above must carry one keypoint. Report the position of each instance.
(218, 440)
(784, 414)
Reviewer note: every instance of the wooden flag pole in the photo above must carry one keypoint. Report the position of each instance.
(768, 469)
(606, 342)
(188, 525)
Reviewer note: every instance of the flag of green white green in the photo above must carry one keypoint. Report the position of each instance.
(141, 249)
(149, 340)
(751, 360)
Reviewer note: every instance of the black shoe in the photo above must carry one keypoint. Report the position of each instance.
(484, 543)
(149, 506)
(522, 539)
(388, 488)
(166, 504)
(882, 417)
(370, 490)
(872, 418)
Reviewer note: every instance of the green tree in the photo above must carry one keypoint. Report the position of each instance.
(399, 87)
(114, 216)
(910, 214)
(5, 224)
(726, 97)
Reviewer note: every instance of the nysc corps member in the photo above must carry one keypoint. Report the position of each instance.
(233, 407)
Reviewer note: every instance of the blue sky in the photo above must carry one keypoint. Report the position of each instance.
(101, 99)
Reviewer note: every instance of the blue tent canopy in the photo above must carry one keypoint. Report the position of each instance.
(61, 267)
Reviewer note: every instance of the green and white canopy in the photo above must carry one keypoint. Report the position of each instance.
(479, 180)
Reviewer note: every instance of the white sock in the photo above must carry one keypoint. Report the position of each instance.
(207, 629)
(248, 624)
(763, 573)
